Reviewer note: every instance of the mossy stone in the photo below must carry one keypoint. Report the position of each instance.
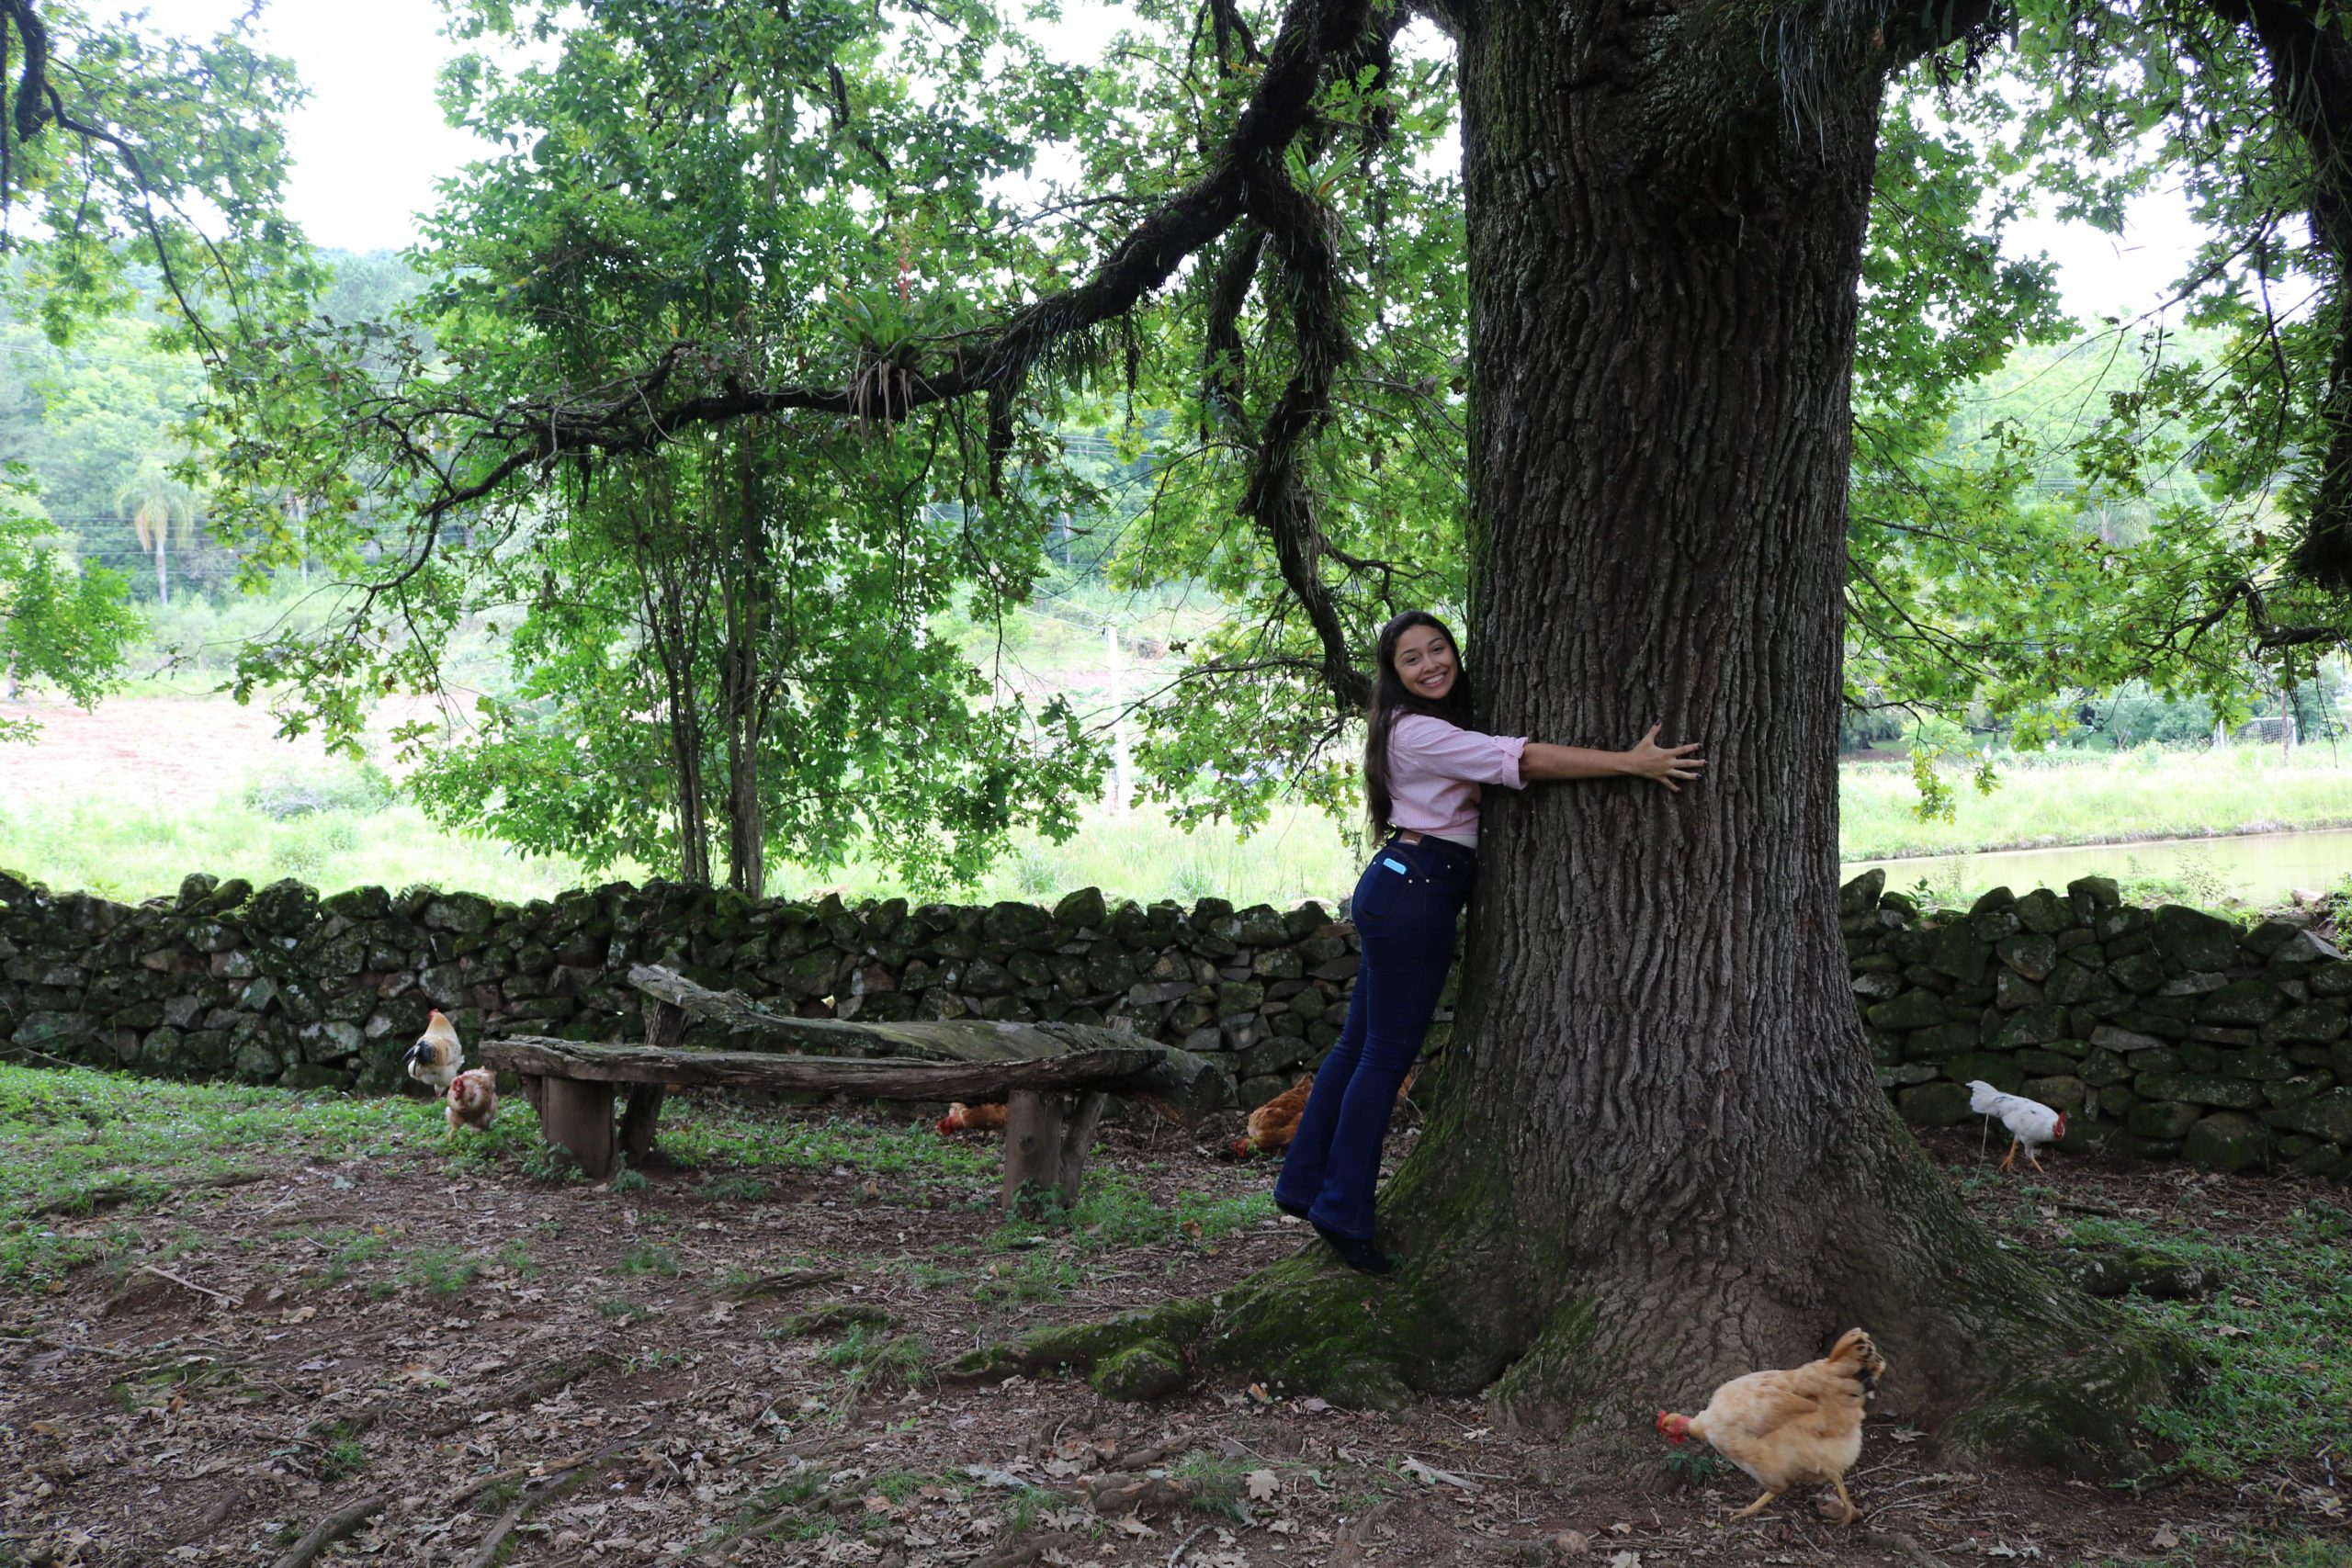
(1945, 1039)
(2314, 1023)
(2163, 1119)
(2227, 1140)
(1140, 1374)
(2201, 1089)
(1908, 1011)
(2103, 1067)
(2246, 1003)
(2327, 1115)
(2040, 1025)
(1934, 1104)
(2299, 1089)
(1959, 953)
(2060, 1091)
(2195, 940)
(2000, 1071)
(2044, 912)
(2103, 892)
(1860, 896)
(2032, 957)
(1083, 908)
(2072, 982)
(2140, 974)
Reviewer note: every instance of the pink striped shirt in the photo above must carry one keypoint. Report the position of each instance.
(1434, 772)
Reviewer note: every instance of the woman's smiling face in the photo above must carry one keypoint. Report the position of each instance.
(1425, 663)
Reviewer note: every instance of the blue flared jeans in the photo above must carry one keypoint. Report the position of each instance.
(1406, 909)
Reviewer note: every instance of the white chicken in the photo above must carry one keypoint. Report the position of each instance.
(2031, 1123)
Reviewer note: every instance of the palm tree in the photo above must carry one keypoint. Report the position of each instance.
(160, 506)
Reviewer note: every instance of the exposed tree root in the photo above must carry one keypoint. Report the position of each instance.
(559, 1482)
(329, 1530)
(531, 1388)
(781, 1284)
(1995, 1354)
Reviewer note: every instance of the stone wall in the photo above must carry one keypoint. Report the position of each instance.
(276, 985)
(2162, 1032)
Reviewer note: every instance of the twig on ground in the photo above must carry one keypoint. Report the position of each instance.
(1902, 1546)
(221, 1297)
(1178, 1552)
(332, 1529)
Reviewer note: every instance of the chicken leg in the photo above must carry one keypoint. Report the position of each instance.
(2035, 1163)
(1852, 1513)
(1758, 1506)
(2011, 1157)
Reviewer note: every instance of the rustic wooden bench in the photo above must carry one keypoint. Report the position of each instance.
(1054, 1080)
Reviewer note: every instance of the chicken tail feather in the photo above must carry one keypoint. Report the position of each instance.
(1856, 1350)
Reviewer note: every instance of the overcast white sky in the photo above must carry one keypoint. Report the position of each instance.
(370, 143)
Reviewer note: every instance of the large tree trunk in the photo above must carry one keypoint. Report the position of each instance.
(1659, 1156)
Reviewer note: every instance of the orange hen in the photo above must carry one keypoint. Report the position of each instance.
(1791, 1428)
(1273, 1125)
(963, 1118)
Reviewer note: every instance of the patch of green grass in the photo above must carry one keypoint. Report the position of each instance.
(1114, 1211)
(899, 1156)
(1034, 1277)
(629, 1180)
(878, 1362)
(73, 1142)
(2278, 1387)
(344, 1458)
(624, 1312)
(736, 1189)
(515, 1257)
(357, 1247)
(647, 1257)
(442, 1270)
(176, 1376)
(1220, 1485)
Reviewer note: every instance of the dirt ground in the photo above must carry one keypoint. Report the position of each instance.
(299, 1342)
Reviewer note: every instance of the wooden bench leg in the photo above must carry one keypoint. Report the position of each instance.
(577, 1114)
(1045, 1144)
(1033, 1149)
(1077, 1141)
(643, 1109)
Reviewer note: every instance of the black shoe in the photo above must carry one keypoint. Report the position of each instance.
(1295, 1211)
(1361, 1255)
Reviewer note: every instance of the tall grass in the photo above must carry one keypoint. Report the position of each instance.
(1299, 854)
(341, 827)
(2070, 798)
(131, 851)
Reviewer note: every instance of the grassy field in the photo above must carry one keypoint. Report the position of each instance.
(130, 800)
(2079, 799)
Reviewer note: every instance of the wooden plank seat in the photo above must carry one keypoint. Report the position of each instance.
(1054, 1080)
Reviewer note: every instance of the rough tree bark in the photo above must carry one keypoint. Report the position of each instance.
(1659, 1156)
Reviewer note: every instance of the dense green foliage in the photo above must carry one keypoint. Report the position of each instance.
(685, 411)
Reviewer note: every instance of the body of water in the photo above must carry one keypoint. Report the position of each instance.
(2261, 868)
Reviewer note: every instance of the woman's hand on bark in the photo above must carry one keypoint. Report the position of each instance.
(1669, 765)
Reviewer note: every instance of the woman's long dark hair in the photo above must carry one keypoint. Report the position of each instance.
(1391, 698)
